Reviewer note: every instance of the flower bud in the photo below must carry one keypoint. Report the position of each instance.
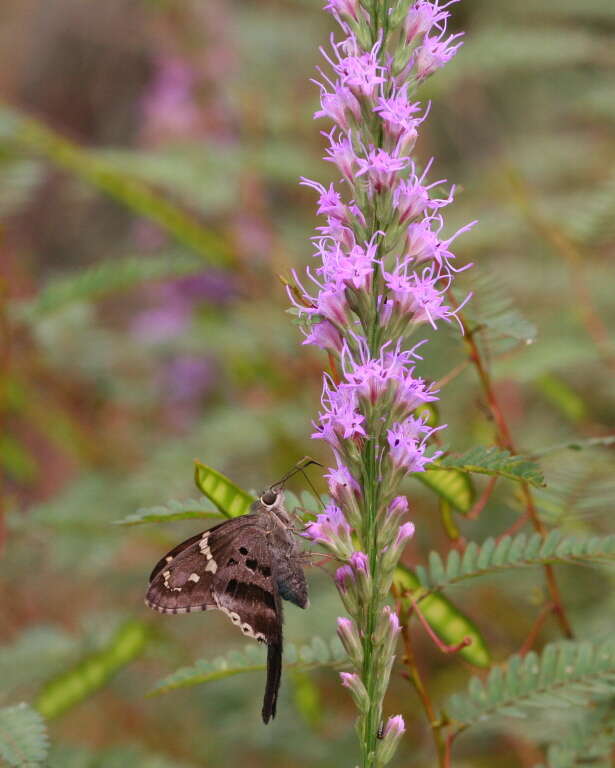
(360, 566)
(346, 492)
(387, 631)
(390, 556)
(389, 522)
(349, 635)
(393, 731)
(359, 693)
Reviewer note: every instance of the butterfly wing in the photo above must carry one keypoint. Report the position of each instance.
(181, 581)
(229, 567)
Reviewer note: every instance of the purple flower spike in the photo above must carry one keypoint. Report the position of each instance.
(383, 270)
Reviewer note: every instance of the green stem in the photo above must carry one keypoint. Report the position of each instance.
(371, 721)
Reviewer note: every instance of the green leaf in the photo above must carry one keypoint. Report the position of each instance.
(568, 674)
(23, 737)
(561, 396)
(106, 278)
(230, 499)
(578, 445)
(92, 673)
(484, 460)
(588, 741)
(252, 659)
(172, 510)
(447, 621)
(453, 486)
(511, 553)
(492, 311)
(35, 654)
(35, 137)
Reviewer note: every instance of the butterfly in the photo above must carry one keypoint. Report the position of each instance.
(244, 567)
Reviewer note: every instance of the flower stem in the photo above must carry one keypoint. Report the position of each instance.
(372, 717)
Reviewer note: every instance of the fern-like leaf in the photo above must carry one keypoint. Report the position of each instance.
(23, 737)
(105, 278)
(493, 311)
(589, 740)
(564, 675)
(317, 654)
(484, 460)
(33, 136)
(173, 510)
(517, 552)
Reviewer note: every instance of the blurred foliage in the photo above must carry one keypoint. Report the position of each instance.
(149, 200)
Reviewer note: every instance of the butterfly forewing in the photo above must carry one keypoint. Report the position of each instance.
(221, 569)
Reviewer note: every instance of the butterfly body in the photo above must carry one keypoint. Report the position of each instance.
(243, 567)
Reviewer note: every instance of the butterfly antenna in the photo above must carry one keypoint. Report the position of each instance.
(309, 482)
(299, 467)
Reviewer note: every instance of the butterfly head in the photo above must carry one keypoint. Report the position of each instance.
(272, 497)
(271, 501)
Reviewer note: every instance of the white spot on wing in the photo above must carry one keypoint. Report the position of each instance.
(194, 577)
(211, 566)
(166, 576)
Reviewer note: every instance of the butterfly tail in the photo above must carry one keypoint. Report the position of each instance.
(274, 675)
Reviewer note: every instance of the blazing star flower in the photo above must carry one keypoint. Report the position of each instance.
(380, 167)
(434, 53)
(342, 154)
(331, 530)
(407, 444)
(400, 119)
(341, 106)
(424, 15)
(348, 8)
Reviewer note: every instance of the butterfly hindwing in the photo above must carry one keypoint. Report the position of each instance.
(245, 586)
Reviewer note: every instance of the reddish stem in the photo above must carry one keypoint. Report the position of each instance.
(442, 646)
(544, 614)
(504, 440)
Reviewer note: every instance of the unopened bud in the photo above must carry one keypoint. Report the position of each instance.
(393, 731)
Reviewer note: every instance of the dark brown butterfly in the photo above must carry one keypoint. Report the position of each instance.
(243, 567)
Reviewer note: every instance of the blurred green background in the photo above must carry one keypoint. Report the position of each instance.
(150, 152)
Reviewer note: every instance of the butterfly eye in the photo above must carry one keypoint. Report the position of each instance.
(269, 498)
